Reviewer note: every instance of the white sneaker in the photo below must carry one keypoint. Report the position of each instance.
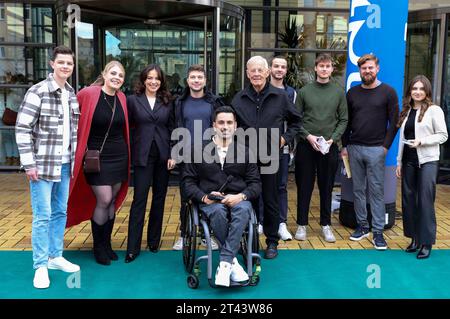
(214, 245)
(260, 229)
(238, 273)
(223, 274)
(328, 234)
(41, 280)
(61, 263)
(178, 244)
(283, 232)
(301, 233)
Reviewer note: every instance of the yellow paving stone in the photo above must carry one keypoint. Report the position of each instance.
(16, 218)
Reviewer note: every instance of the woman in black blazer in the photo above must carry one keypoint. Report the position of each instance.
(150, 112)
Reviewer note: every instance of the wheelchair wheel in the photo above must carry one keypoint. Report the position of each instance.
(189, 240)
(255, 244)
(192, 281)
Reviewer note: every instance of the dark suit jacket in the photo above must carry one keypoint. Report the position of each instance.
(202, 178)
(150, 125)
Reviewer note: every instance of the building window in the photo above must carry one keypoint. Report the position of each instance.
(299, 36)
(2, 11)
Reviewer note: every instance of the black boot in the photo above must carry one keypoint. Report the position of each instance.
(412, 247)
(109, 227)
(424, 252)
(99, 235)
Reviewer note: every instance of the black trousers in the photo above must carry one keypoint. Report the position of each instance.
(270, 198)
(154, 174)
(307, 163)
(418, 195)
(184, 199)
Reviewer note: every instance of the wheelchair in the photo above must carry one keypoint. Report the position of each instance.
(196, 227)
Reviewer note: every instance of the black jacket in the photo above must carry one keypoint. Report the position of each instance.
(149, 125)
(202, 178)
(212, 99)
(268, 109)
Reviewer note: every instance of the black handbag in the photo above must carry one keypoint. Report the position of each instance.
(91, 162)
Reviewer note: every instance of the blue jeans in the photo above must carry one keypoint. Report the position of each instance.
(228, 225)
(49, 205)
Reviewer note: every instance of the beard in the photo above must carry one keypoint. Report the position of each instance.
(368, 79)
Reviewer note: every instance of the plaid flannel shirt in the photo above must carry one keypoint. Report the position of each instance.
(39, 129)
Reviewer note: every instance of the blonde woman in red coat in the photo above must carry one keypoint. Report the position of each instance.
(97, 196)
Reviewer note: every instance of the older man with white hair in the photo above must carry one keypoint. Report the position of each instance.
(265, 108)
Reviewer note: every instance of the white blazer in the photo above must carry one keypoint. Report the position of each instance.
(431, 132)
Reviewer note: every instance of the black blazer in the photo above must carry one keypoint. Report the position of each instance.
(149, 125)
(202, 178)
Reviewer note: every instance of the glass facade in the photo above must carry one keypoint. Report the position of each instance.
(428, 53)
(445, 100)
(26, 35)
(174, 48)
(299, 36)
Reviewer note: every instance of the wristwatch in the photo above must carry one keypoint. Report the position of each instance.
(244, 197)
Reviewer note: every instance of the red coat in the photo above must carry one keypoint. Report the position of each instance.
(82, 200)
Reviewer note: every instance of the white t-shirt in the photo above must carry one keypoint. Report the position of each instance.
(66, 126)
(151, 101)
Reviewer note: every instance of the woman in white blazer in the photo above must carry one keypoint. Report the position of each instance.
(422, 130)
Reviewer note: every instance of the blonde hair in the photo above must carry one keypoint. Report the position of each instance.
(100, 80)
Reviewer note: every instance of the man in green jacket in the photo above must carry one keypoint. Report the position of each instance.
(324, 109)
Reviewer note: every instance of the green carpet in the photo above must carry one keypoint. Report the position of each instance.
(294, 274)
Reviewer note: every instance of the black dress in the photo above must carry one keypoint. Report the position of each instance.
(114, 157)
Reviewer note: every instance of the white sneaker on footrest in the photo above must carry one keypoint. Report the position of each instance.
(238, 273)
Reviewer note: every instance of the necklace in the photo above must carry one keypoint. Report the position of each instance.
(112, 107)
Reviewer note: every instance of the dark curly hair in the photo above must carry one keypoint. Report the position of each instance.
(163, 93)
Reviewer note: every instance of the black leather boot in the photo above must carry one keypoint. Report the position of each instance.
(412, 247)
(99, 235)
(424, 252)
(109, 227)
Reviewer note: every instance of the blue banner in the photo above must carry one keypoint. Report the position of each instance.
(379, 27)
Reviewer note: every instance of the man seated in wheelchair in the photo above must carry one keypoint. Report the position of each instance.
(223, 184)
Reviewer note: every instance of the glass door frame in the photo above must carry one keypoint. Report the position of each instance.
(428, 15)
(215, 10)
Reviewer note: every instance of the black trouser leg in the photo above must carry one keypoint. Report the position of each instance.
(184, 201)
(409, 200)
(426, 223)
(271, 207)
(326, 171)
(142, 182)
(143, 178)
(305, 174)
(161, 181)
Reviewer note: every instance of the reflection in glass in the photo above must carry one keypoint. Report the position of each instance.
(174, 48)
(24, 65)
(445, 149)
(230, 56)
(316, 30)
(11, 99)
(87, 58)
(421, 50)
(26, 23)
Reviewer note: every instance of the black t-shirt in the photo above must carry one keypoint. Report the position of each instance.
(373, 115)
(409, 153)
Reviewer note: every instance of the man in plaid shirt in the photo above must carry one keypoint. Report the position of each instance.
(46, 135)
